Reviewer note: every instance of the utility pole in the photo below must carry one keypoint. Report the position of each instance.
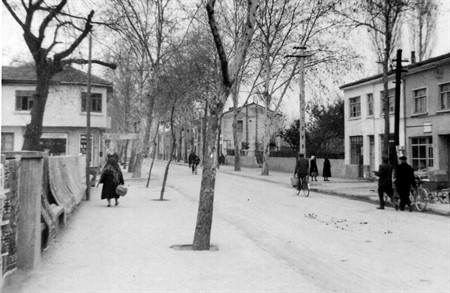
(88, 123)
(301, 128)
(398, 81)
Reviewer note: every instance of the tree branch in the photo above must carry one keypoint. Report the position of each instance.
(218, 42)
(87, 29)
(13, 13)
(49, 18)
(84, 61)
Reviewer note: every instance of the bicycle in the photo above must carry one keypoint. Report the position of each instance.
(304, 186)
(419, 197)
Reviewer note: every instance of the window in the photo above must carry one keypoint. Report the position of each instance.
(422, 152)
(370, 104)
(444, 90)
(391, 95)
(7, 142)
(420, 101)
(24, 100)
(83, 143)
(356, 144)
(96, 102)
(240, 126)
(355, 107)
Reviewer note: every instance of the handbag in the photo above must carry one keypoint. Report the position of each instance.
(121, 190)
(294, 181)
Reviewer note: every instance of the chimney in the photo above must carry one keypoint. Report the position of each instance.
(413, 57)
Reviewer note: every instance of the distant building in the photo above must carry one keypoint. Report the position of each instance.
(64, 125)
(424, 119)
(250, 129)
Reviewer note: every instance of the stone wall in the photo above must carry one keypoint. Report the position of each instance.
(338, 168)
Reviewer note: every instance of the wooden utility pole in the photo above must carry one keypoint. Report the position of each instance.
(301, 127)
(88, 123)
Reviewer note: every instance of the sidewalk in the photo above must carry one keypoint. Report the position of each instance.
(357, 189)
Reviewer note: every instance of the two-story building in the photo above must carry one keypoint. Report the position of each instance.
(250, 129)
(424, 118)
(64, 125)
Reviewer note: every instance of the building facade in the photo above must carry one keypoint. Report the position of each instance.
(64, 125)
(250, 129)
(424, 134)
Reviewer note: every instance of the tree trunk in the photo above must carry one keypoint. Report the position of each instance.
(172, 148)
(237, 155)
(33, 130)
(386, 93)
(266, 144)
(205, 208)
(155, 147)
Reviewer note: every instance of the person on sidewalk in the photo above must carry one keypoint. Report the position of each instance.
(404, 179)
(194, 160)
(313, 172)
(301, 169)
(385, 182)
(111, 178)
(326, 173)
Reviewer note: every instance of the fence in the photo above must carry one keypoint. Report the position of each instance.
(46, 190)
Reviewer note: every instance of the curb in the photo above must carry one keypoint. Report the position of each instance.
(368, 199)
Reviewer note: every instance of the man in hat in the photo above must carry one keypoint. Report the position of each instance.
(385, 182)
(404, 179)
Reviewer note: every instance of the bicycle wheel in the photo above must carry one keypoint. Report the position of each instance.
(305, 189)
(421, 199)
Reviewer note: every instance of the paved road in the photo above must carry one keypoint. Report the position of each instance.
(269, 240)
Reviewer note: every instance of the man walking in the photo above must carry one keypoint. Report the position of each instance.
(404, 179)
(385, 182)
(194, 160)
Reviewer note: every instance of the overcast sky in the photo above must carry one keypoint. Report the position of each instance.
(14, 48)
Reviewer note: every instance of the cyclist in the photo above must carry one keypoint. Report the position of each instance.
(301, 170)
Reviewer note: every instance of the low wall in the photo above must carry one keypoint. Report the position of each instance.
(46, 190)
(338, 168)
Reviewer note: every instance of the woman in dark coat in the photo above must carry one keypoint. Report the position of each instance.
(111, 178)
(313, 171)
(326, 169)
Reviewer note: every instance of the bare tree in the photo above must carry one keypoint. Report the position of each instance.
(422, 26)
(148, 26)
(383, 19)
(229, 71)
(48, 60)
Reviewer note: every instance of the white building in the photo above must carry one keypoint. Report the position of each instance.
(64, 125)
(424, 135)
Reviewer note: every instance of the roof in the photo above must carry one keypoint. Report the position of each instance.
(70, 75)
(408, 67)
(247, 105)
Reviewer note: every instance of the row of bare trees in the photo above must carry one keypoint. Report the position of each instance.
(174, 58)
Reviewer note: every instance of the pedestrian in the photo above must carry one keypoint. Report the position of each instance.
(222, 159)
(313, 171)
(385, 182)
(111, 178)
(301, 169)
(326, 173)
(194, 160)
(404, 179)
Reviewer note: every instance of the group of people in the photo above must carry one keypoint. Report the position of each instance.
(402, 180)
(303, 168)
